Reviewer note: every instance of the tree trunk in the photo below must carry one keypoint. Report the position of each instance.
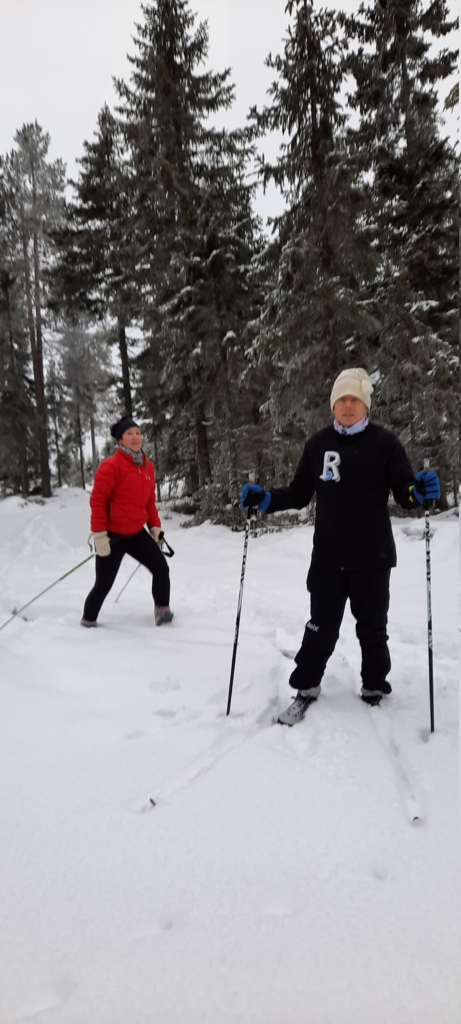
(94, 450)
(193, 480)
(40, 395)
(24, 475)
(125, 368)
(232, 463)
(80, 446)
(157, 470)
(201, 437)
(37, 365)
(58, 453)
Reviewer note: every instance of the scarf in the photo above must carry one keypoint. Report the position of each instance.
(138, 457)
(357, 428)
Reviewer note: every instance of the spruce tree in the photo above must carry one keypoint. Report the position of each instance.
(33, 194)
(194, 234)
(412, 215)
(18, 448)
(213, 296)
(96, 269)
(319, 264)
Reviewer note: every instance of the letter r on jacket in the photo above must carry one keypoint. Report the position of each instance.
(330, 466)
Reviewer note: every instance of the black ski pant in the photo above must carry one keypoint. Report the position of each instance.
(368, 593)
(143, 548)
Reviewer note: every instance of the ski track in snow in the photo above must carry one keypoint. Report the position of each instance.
(276, 871)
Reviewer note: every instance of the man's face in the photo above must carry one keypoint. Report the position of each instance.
(349, 410)
(132, 439)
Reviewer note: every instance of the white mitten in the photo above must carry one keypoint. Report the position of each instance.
(102, 544)
(155, 532)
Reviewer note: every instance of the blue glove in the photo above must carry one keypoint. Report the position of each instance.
(253, 495)
(427, 486)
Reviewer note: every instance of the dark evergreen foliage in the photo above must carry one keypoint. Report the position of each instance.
(155, 291)
(316, 317)
(196, 236)
(412, 213)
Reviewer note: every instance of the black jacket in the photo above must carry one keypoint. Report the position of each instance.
(352, 476)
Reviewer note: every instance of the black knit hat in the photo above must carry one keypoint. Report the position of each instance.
(118, 428)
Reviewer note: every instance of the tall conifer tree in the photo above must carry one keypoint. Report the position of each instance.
(33, 197)
(412, 214)
(319, 265)
(194, 231)
(96, 270)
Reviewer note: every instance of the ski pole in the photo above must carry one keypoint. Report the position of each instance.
(250, 515)
(127, 582)
(13, 616)
(168, 553)
(427, 505)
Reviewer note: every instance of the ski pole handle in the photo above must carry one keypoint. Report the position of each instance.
(164, 544)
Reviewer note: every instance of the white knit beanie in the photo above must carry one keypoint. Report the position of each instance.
(352, 382)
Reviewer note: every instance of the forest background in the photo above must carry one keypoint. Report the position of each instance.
(150, 284)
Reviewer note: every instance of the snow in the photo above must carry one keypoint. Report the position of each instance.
(280, 878)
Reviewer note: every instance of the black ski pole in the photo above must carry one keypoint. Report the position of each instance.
(13, 616)
(427, 505)
(250, 515)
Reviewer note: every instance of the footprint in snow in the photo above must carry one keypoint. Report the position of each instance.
(279, 908)
(164, 685)
(166, 921)
(36, 1002)
(379, 870)
(179, 714)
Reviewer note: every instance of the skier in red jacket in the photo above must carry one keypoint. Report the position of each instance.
(122, 503)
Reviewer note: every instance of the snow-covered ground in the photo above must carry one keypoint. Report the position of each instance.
(279, 879)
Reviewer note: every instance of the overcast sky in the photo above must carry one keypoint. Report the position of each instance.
(57, 59)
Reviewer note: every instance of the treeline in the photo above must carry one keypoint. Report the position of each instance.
(154, 289)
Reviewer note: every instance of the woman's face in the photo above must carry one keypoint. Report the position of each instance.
(132, 439)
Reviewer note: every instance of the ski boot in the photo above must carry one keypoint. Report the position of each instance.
(162, 615)
(296, 711)
(374, 697)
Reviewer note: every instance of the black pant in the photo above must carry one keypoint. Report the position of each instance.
(368, 592)
(143, 548)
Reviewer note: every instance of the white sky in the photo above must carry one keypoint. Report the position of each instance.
(57, 58)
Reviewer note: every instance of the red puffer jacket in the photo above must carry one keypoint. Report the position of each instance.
(123, 496)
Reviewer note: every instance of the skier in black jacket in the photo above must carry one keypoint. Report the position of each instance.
(351, 466)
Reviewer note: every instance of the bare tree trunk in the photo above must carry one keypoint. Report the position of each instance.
(203, 453)
(40, 395)
(6, 283)
(232, 467)
(157, 471)
(94, 450)
(80, 445)
(127, 400)
(201, 436)
(24, 475)
(58, 453)
(37, 362)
